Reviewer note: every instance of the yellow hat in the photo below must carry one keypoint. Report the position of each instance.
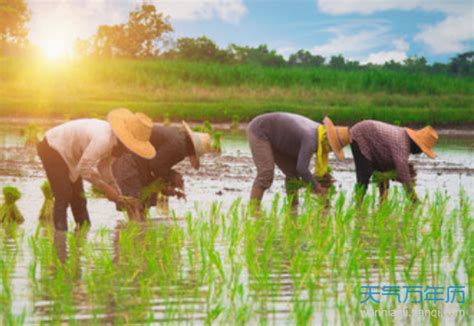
(425, 138)
(133, 130)
(201, 142)
(338, 137)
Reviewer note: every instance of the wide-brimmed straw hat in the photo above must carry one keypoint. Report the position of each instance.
(201, 142)
(338, 137)
(425, 138)
(133, 130)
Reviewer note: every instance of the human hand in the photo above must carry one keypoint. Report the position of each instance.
(128, 202)
(177, 180)
(320, 191)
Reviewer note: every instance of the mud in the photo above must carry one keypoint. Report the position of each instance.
(229, 176)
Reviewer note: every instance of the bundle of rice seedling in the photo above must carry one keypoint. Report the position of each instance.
(9, 212)
(166, 120)
(46, 213)
(234, 126)
(32, 132)
(216, 141)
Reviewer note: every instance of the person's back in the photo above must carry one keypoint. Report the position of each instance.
(380, 142)
(72, 138)
(285, 131)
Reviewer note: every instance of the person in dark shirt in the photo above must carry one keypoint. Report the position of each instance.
(172, 145)
(379, 146)
(289, 141)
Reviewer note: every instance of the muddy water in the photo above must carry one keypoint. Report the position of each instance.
(223, 178)
(230, 175)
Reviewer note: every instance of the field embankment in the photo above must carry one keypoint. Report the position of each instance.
(216, 92)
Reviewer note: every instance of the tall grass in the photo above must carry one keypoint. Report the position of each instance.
(219, 92)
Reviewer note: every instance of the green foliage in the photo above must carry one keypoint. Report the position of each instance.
(216, 141)
(32, 132)
(200, 49)
(337, 62)
(223, 266)
(210, 91)
(235, 124)
(206, 127)
(306, 59)
(166, 119)
(47, 210)
(463, 64)
(135, 39)
(9, 212)
(14, 16)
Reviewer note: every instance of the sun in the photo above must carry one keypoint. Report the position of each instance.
(55, 41)
(55, 46)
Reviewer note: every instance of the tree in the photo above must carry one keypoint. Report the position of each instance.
(392, 65)
(305, 58)
(337, 61)
(197, 49)
(415, 64)
(439, 68)
(260, 55)
(137, 38)
(463, 64)
(14, 15)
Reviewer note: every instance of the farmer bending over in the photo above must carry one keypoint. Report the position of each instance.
(85, 149)
(289, 141)
(136, 176)
(378, 146)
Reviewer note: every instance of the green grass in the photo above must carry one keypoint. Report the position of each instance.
(224, 266)
(216, 92)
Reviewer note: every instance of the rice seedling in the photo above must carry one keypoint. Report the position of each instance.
(47, 209)
(9, 212)
(32, 132)
(221, 265)
(166, 119)
(235, 123)
(216, 141)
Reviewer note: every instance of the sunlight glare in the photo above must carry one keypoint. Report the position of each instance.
(56, 43)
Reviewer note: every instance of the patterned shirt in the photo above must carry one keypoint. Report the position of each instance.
(385, 145)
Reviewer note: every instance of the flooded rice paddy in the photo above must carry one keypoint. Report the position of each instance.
(207, 260)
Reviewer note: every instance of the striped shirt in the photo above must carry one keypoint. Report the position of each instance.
(385, 145)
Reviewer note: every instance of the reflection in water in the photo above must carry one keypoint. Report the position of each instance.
(217, 264)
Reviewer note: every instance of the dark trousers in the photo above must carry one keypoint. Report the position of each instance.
(65, 192)
(364, 170)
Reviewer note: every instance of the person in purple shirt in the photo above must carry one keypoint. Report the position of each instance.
(288, 141)
(379, 146)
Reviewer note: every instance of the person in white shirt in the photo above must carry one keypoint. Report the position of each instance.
(85, 149)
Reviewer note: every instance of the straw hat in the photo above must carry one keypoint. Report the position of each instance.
(133, 130)
(338, 137)
(201, 143)
(425, 138)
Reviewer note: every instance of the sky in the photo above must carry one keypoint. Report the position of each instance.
(368, 31)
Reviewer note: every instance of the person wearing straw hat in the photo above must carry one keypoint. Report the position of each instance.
(289, 141)
(172, 144)
(379, 146)
(85, 149)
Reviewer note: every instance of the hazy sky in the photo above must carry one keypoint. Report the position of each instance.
(369, 30)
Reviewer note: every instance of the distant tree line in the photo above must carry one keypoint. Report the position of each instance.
(146, 35)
